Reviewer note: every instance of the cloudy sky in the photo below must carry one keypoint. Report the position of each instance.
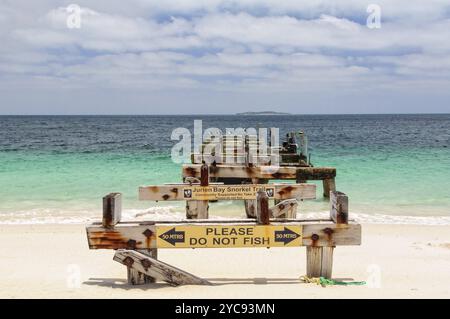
(217, 56)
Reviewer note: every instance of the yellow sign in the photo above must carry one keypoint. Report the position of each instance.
(226, 192)
(223, 236)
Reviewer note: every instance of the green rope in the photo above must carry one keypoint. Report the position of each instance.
(330, 282)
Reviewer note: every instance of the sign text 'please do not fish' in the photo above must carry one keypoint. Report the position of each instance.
(230, 236)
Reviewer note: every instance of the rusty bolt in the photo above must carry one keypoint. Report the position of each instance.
(147, 233)
(128, 261)
(314, 237)
(146, 263)
(328, 231)
(131, 244)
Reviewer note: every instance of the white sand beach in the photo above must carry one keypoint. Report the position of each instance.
(53, 261)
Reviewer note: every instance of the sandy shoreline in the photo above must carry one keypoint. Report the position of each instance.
(45, 261)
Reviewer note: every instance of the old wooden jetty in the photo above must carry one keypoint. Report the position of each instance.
(238, 159)
(137, 242)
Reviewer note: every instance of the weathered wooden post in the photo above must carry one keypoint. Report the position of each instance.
(198, 209)
(112, 209)
(262, 207)
(329, 185)
(320, 259)
(339, 207)
(204, 174)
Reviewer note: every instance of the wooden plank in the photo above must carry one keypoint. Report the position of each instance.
(285, 209)
(112, 209)
(185, 192)
(157, 269)
(267, 172)
(339, 207)
(142, 236)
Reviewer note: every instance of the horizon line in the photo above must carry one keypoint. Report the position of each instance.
(227, 114)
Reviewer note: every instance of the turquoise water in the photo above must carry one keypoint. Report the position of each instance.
(56, 169)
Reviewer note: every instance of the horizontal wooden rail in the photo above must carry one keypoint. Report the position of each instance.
(225, 192)
(171, 234)
(263, 172)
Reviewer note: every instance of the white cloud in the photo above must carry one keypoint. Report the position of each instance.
(234, 46)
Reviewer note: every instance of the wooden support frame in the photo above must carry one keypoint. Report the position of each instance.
(137, 243)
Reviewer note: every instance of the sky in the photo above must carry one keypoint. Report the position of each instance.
(221, 57)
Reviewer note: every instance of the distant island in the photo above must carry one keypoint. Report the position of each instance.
(263, 113)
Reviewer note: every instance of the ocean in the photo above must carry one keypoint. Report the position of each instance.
(56, 169)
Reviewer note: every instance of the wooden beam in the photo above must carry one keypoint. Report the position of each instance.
(144, 235)
(112, 209)
(157, 269)
(339, 207)
(177, 192)
(267, 172)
